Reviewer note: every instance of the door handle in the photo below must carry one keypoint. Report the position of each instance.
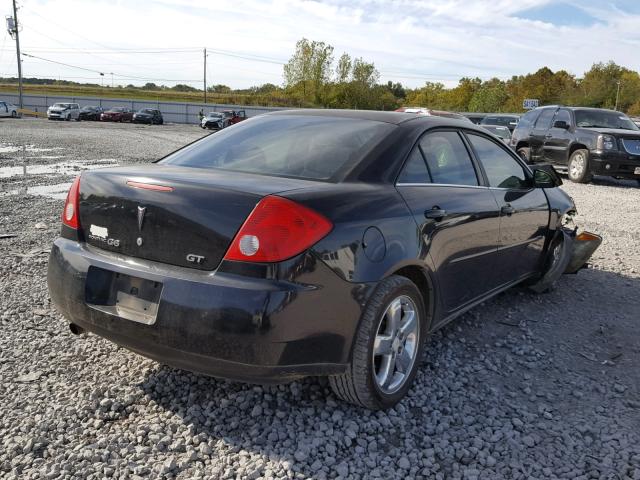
(507, 210)
(436, 213)
(548, 136)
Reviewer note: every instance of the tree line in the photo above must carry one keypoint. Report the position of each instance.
(315, 77)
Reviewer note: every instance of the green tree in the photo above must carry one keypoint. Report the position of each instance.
(308, 71)
(490, 97)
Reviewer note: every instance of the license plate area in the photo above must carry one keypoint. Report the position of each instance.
(132, 298)
(637, 171)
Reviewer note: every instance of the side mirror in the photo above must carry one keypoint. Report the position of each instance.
(545, 176)
(561, 124)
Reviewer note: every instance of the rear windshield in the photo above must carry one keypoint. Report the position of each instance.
(603, 119)
(299, 146)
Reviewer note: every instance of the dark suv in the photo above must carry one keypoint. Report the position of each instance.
(580, 141)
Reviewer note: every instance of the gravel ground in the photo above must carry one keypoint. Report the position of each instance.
(524, 386)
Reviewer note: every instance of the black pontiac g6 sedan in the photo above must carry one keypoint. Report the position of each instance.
(309, 243)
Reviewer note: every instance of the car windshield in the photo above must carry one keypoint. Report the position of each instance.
(603, 119)
(146, 110)
(214, 115)
(301, 146)
(89, 108)
(502, 132)
(505, 121)
(116, 109)
(61, 105)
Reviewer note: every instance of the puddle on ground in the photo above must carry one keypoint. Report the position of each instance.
(61, 168)
(8, 148)
(58, 190)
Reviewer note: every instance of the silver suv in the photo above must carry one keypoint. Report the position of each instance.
(64, 111)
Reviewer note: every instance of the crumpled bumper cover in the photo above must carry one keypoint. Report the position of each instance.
(584, 245)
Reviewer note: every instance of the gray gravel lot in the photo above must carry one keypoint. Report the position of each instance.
(524, 386)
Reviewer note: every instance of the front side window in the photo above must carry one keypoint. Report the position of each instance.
(562, 116)
(447, 159)
(503, 171)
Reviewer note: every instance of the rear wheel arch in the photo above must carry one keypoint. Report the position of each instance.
(421, 278)
(522, 145)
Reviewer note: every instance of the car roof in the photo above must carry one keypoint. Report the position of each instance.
(394, 118)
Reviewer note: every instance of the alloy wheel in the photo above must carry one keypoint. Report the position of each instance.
(395, 346)
(576, 168)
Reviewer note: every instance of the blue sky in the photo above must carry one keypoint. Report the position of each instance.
(411, 41)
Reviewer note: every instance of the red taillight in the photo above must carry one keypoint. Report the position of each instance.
(70, 212)
(277, 229)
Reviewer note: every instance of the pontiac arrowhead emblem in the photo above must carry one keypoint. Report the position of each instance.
(141, 212)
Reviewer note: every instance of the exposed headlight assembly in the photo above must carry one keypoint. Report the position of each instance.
(606, 142)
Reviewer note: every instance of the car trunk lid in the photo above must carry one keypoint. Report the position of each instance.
(176, 215)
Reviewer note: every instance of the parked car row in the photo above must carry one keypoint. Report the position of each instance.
(72, 111)
(220, 120)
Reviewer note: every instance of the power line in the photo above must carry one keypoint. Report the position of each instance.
(130, 77)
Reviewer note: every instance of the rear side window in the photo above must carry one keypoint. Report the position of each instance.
(528, 119)
(544, 120)
(302, 146)
(415, 170)
(447, 159)
(503, 171)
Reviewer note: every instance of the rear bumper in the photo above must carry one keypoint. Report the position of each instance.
(221, 324)
(615, 164)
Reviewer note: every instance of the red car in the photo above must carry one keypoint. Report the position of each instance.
(117, 114)
(235, 116)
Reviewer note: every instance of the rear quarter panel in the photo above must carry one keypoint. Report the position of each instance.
(355, 209)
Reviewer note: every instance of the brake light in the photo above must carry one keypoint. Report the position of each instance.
(277, 229)
(71, 206)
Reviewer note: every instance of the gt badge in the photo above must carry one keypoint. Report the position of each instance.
(195, 258)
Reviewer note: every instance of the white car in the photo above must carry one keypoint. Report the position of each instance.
(8, 110)
(64, 111)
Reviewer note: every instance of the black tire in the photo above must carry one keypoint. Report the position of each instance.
(67, 118)
(556, 263)
(14, 114)
(578, 168)
(525, 154)
(358, 385)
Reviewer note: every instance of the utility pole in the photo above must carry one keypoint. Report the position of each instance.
(617, 94)
(205, 75)
(16, 31)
